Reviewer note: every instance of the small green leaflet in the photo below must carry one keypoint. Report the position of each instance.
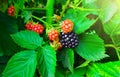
(110, 69)
(27, 39)
(47, 61)
(66, 56)
(22, 64)
(80, 20)
(91, 47)
(26, 15)
(79, 72)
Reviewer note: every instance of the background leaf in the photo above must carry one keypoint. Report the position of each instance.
(3, 5)
(66, 56)
(8, 25)
(91, 47)
(80, 20)
(27, 39)
(110, 69)
(22, 64)
(47, 61)
(108, 9)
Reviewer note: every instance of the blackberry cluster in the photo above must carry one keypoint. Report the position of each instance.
(69, 40)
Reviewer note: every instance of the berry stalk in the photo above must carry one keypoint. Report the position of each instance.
(49, 11)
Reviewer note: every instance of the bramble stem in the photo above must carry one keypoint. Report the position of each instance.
(84, 9)
(115, 47)
(64, 8)
(39, 19)
(27, 9)
(49, 11)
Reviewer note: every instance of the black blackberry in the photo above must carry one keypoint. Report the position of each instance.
(69, 40)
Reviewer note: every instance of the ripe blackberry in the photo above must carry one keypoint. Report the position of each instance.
(69, 40)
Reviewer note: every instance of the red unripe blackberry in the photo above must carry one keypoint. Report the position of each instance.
(11, 10)
(53, 35)
(38, 28)
(67, 26)
(29, 26)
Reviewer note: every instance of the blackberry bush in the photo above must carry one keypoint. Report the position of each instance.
(51, 47)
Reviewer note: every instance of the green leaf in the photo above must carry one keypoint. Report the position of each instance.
(110, 69)
(79, 72)
(47, 61)
(27, 39)
(67, 58)
(22, 64)
(91, 47)
(109, 8)
(59, 72)
(80, 20)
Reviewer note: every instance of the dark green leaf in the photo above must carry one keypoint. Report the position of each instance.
(79, 72)
(80, 20)
(1, 51)
(67, 58)
(91, 47)
(8, 25)
(59, 72)
(47, 61)
(22, 64)
(27, 39)
(110, 69)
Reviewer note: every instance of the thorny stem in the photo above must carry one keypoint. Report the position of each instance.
(46, 24)
(27, 9)
(84, 64)
(84, 9)
(114, 46)
(78, 3)
(64, 8)
(39, 19)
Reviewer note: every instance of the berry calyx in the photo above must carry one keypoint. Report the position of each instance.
(67, 26)
(56, 44)
(69, 40)
(11, 10)
(53, 35)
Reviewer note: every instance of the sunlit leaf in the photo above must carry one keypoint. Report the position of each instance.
(110, 69)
